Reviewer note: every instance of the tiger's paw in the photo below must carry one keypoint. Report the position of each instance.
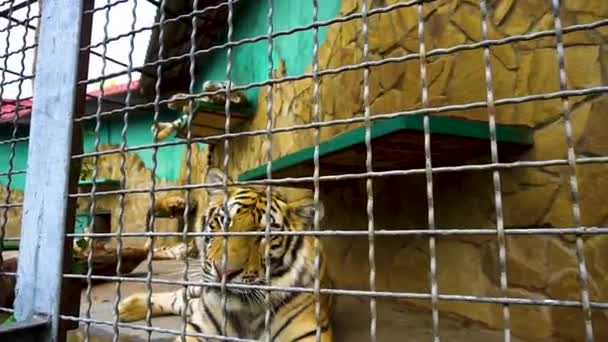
(132, 308)
(172, 205)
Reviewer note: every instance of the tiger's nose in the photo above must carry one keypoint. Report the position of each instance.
(227, 271)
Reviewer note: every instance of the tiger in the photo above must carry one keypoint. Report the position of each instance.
(179, 251)
(292, 259)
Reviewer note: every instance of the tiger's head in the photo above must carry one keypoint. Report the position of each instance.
(291, 256)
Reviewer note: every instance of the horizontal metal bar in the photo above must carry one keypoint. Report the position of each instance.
(27, 20)
(11, 239)
(151, 27)
(11, 205)
(354, 176)
(106, 6)
(16, 140)
(10, 173)
(378, 116)
(23, 49)
(15, 73)
(152, 329)
(355, 293)
(20, 22)
(431, 53)
(439, 232)
(20, 79)
(375, 117)
(17, 7)
(6, 310)
(115, 61)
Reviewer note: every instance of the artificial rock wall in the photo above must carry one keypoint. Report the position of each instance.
(538, 266)
(10, 215)
(136, 203)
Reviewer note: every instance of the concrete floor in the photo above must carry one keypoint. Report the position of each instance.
(396, 322)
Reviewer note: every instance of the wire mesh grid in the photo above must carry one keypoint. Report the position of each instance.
(145, 198)
(18, 36)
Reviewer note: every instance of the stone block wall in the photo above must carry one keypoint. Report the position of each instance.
(136, 204)
(10, 218)
(537, 266)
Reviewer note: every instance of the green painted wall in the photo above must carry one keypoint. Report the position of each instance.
(249, 61)
(19, 159)
(249, 65)
(168, 158)
(138, 133)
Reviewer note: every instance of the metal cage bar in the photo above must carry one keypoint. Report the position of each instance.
(47, 213)
(49, 206)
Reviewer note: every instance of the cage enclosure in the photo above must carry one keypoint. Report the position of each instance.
(443, 163)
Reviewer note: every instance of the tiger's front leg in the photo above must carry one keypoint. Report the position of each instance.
(134, 307)
(189, 329)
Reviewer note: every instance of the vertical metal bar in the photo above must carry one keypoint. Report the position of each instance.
(151, 217)
(316, 117)
(7, 199)
(191, 72)
(92, 195)
(269, 117)
(428, 165)
(500, 232)
(225, 165)
(574, 193)
(368, 180)
(46, 206)
(123, 176)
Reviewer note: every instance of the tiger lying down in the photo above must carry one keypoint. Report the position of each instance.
(292, 265)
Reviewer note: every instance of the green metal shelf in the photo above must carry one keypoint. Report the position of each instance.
(398, 144)
(11, 245)
(101, 184)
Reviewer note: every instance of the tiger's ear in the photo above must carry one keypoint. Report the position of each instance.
(215, 175)
(305, 209)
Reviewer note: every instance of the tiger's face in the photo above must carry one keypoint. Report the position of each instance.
(241, 259)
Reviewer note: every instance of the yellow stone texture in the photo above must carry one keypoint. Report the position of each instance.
(530, 321)
(407, 260)
(530, 260)
(12, 226)
(550, 141)
(384, 31)
(539, 74)
(348, 7)
(568, 322)
(587, 6)
(518, 21)
(531, 196)
(546, 23)
(593, 183)
(468, 19)
(467, 84)
(594, 138)
(529, 205)
(560, 213)
(501, 10)
(137, 177)
(596, 249)
(517, 17)
(478, 210)
(466, 258)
